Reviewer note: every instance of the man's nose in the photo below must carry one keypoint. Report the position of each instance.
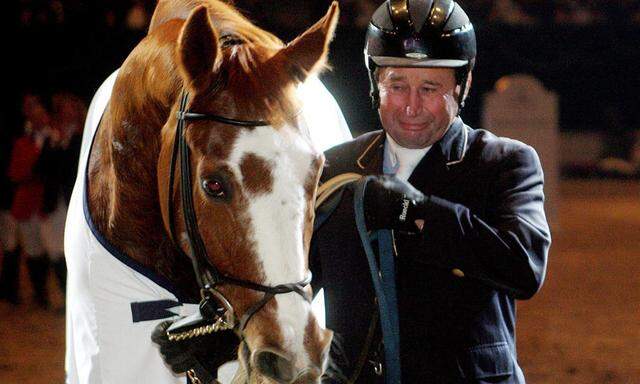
(414, 103)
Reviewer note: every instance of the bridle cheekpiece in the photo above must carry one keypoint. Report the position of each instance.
(214, 306)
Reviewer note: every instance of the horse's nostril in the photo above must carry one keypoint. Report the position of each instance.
(273, 365)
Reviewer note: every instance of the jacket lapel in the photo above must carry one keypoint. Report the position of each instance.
(433, 172)
(370, 160)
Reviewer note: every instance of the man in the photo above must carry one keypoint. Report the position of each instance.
(475, 238)
(466, 209)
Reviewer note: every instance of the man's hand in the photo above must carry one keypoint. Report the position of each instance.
(391, 203)
(202, 354)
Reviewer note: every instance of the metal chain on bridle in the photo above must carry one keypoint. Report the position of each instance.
(214, 307)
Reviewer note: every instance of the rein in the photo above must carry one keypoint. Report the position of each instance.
(382, 276)
(384, 283)
(213, 306)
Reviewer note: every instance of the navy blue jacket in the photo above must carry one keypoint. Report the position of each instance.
(484, 245)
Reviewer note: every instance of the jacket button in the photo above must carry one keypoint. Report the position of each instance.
(457, 272)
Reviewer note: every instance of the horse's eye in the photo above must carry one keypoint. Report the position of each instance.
(214, 188)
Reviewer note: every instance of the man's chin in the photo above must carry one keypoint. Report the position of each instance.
(411, 139)
(410, 143)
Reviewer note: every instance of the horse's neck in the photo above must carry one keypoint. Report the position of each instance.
(123, 181)
(123, 186)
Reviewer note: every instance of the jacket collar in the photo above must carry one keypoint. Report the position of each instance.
(450, 150)
(454, 143)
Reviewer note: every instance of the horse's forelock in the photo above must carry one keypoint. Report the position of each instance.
(261, 87)
(224, 17)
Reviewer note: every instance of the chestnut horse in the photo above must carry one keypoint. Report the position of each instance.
(252, 175)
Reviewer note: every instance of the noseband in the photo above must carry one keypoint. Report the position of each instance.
(213, 306)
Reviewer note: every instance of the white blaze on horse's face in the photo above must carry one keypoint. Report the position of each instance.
(278, 217)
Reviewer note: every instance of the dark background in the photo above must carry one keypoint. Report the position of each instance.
(585, 51)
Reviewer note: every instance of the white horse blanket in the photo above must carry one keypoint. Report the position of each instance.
(114, 303)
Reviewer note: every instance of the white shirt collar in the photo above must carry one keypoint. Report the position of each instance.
(399, 160)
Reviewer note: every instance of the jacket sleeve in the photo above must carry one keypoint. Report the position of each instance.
(507, 247)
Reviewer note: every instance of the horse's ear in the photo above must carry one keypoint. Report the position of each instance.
(308, 52)
(198, 50)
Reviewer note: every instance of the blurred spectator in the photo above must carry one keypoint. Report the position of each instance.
(27, 200)
(110, 18)
(9, 272)
(40, 174)
(57, 11)
(26, 17)
(510, 12)
(137, 17)
(56, 165)
(573, 12)
(69, 113)
(42, 167)
(357, 13)
(478, 10)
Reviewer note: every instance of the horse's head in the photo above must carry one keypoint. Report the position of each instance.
(253, 187)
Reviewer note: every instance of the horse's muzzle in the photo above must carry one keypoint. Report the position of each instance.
(278, 367)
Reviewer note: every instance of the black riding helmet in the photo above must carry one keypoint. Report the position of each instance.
(420, 33)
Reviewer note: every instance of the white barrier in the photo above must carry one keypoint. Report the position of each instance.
(521, 108)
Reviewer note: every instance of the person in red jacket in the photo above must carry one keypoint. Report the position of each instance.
(28, 198)
(8, 225)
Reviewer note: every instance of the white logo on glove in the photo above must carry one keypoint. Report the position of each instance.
(405, 208)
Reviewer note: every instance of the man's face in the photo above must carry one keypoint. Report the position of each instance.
(417, 105)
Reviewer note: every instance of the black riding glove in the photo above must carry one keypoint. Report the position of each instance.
(391, 203)
(338, 366)
(202, 354)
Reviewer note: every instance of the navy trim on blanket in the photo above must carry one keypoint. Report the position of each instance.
(153, 310)
(118, 254)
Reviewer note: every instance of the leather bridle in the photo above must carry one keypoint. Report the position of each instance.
(213, 305)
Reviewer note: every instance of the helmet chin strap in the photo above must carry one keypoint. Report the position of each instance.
(462, 80)
(375, 97)
(373, 83)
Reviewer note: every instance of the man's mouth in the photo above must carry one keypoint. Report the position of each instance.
(412, 126)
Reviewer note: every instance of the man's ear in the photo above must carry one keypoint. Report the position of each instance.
(308, 52)
(198, 50)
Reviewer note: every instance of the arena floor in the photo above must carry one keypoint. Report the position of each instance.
(583, 327)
